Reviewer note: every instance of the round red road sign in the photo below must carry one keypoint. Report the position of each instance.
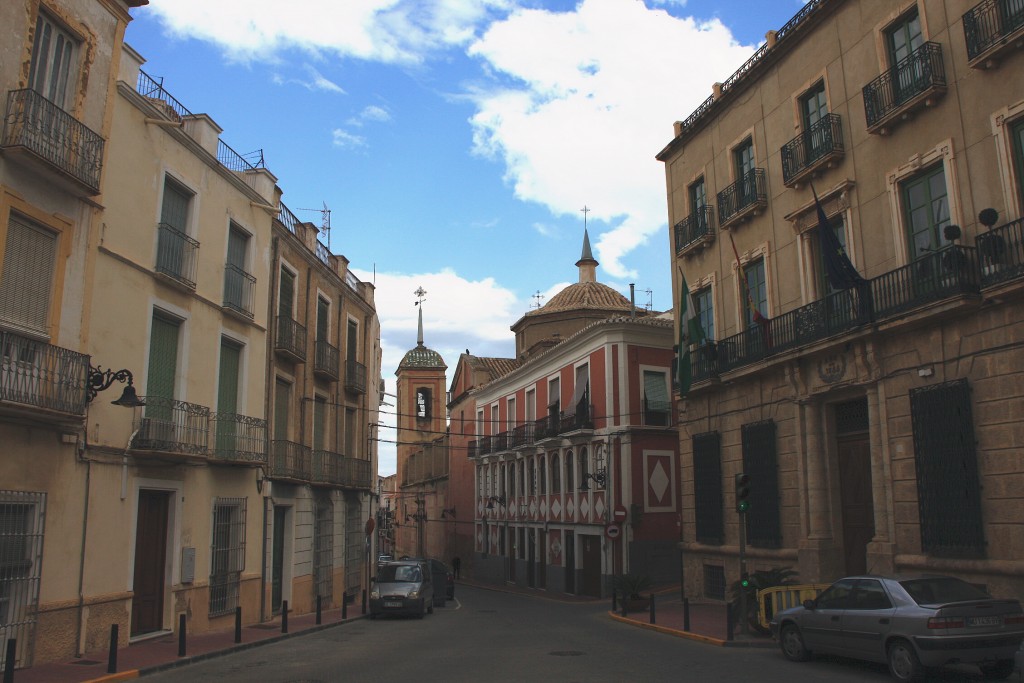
(612, 531)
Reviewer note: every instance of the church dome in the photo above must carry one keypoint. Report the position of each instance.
(585, 295)
(422, 357)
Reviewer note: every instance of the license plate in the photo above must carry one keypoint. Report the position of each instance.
(392, 604)
(984, 621)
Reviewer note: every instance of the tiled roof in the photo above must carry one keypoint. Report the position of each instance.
(584, 295)
(422, 357)
(496, 367)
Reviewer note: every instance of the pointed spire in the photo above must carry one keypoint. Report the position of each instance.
(587, 263)
(420, 297)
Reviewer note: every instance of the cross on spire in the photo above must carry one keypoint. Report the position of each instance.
(537, 298)
(585, 211)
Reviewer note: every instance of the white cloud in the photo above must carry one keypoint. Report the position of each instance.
(346, 140)
(375, 113)
(457, 314)
(393, 31)
(581, 120)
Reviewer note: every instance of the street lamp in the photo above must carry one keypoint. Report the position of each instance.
(599, 477)
(100, 380)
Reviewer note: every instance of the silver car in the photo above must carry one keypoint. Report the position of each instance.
(912, 624)
(403, 587)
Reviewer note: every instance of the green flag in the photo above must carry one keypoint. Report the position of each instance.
(690, 334)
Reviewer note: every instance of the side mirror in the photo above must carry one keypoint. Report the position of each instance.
(809, 604)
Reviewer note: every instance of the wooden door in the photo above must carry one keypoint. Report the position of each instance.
(857, 500)
(570, 562)
(591, 566)
(277, 558)
(150, 562)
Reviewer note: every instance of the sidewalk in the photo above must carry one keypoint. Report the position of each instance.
(161, 652)
(707, 625)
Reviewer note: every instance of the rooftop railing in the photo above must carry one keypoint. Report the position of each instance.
(286, 218)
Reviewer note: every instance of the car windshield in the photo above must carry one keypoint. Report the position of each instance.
(942, 589)
(399, 573)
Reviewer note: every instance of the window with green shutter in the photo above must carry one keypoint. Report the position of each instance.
(163, 366)
(1017, 134)
(282, 404)
(54, 60)
(286, 294)
(323, 319)
(319, 423)
(26, 286)
(227, 397)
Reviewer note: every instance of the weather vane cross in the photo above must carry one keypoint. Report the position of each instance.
(585, 211)
(537, 298)
(421, 295)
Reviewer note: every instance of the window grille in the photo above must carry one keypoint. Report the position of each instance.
(22, 517)
(714, 582)
(707, 487)
(323, 548)
(227, 554)
(759, 461)
(353, 543)
(948, 486)
(852, 417)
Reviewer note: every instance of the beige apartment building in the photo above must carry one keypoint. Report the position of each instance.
(143, 258)
(58, 62)
(878, 415)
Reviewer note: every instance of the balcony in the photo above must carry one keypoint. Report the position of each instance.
(991, 29)
(743, 199)
(522, 435)
(290, 340)
(334, 469)
(171, 426)
(326, 360)
(355, 377)
(176, 255)
(814, 150)
(37, 376)
(49, 138)
(915, 82)
(239, 439)
(290, 461)
(500, 442)
(239, 290)
(696, 230)
(951, 272)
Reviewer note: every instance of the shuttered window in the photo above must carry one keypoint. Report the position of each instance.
(352, 347)
(707, 488)
(286, 294)
(163, 365)
(54, 55)
(27, 282)
(319, 422)
(175, 208)
(323, 319)
(230, 361)
(282, 401)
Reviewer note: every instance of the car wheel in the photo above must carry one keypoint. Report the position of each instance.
(903, 662)
(792, 644)
(999, 671)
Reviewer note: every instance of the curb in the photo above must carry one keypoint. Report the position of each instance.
(768, 643)
(213, 654)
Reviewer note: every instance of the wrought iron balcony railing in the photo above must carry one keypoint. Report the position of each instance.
(326, 360)
(239, 438)
(176, 255)
(355, 376)
(694, 228)
(812, 149)
(747, 195)
(580, 417)
(171, 426)
(290, 340)
(38, 126)
(546, 427)
(239, 290)
(949, 272)
(40, 375)
(522, 435)
(473, 448)
(908, 83)
(1001, 253)
(290, 460)
(990, 25)
(500, 442)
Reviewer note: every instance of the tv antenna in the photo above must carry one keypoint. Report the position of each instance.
(325, 222)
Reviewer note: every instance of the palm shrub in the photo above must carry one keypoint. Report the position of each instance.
(759, 580)
(631, 584)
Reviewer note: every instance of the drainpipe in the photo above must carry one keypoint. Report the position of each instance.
(269, 385)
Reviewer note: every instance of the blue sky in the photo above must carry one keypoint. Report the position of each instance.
(456, 141)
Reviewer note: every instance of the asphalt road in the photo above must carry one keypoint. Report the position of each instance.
(487, 636)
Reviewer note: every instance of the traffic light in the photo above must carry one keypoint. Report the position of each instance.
(745, 580)
(742, 492)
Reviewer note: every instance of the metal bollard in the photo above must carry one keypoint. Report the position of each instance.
(112, 654)
(615, 601)
(181, 635)
(625, 606)
(653, 619)
(12, 648)
(686, 614)
(318, 610)
(284, 616)
(364, 601)
(238, 624)
(344, 606)
(729, 626)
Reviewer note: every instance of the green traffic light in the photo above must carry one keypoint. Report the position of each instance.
(744, 505)
(746, 583)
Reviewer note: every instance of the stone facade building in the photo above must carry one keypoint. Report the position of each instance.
(879, 417)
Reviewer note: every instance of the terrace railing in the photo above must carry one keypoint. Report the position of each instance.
(916, 75)
(990, 24)
(812, 148)
(176, 255)
(37, 374)
(38, 126)
(695, 227)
